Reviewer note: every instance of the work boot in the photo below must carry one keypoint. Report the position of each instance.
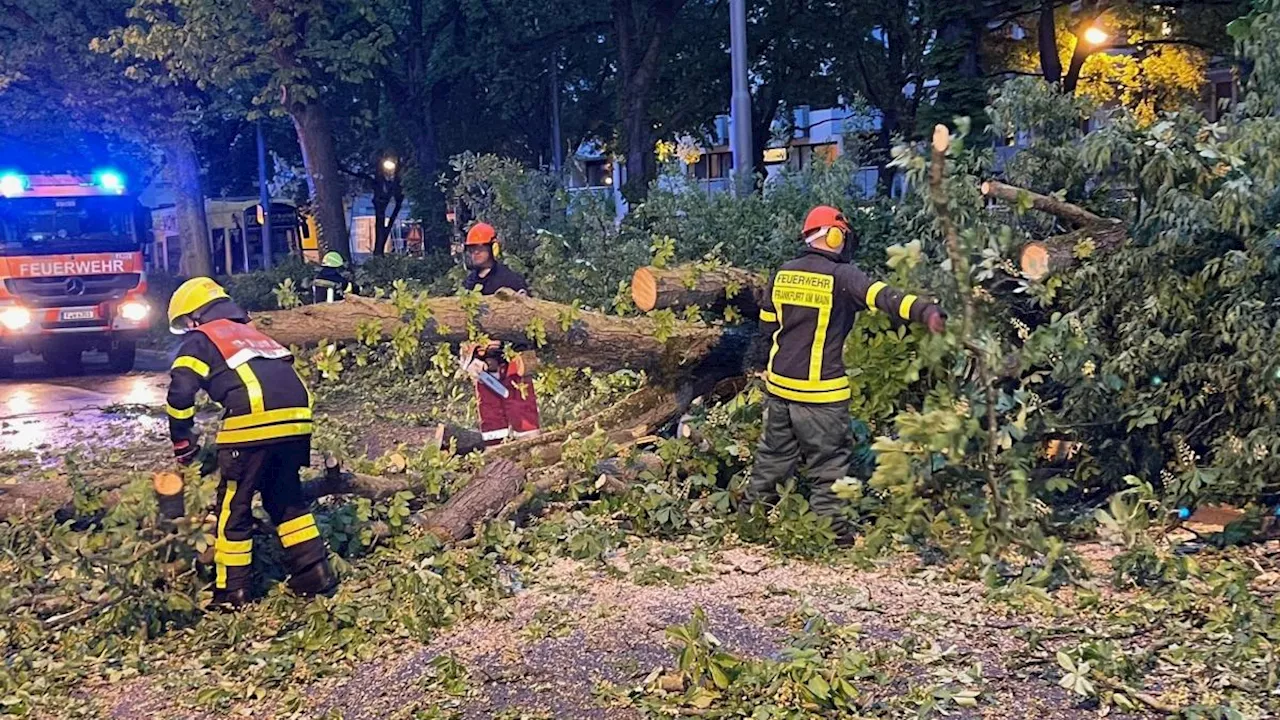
(315, 580)
(230, 600)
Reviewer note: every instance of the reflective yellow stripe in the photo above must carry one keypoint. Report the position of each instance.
(819, 343)
(224, 560)
(773, 349)
(267, 432)
(829, 396)
(223, 514)
(193, 364)
(234, 546)
(177, 414)
(253, 387)
(872, 293)
(296, 524)
(808, 385)
(769, 317)
(240, 422)
(904, 309)
(299, 537)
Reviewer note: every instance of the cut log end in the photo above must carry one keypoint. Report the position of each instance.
(167, 483)
(644, 289)
(941, 137)
(1035, 261)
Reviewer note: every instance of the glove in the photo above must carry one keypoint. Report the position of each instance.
(935, 320)
(185, 451)
(466, 353)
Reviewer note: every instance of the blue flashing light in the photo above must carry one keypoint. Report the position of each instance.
(12, 184)
(1184, 513)
(109, 180)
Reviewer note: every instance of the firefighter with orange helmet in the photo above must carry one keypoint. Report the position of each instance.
(808, 311)
(264, 441)
(504, 389)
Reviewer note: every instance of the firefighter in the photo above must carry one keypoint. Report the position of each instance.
(516, 414)
(332, 282)
(808, 311)
(264, 441)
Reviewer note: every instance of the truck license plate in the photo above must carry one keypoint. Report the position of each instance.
(79, 314)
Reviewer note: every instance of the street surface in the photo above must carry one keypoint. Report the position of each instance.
(38, 411)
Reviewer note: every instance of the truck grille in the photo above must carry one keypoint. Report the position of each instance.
(59, 290)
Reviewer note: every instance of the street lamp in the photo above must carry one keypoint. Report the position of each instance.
(1096, 36)
(389, 166)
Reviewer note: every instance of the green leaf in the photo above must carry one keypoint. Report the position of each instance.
(819, 687)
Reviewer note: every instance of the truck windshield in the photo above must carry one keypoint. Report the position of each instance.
(49, 226)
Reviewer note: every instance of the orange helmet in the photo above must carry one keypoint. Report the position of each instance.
(481, 234)
(825, 216)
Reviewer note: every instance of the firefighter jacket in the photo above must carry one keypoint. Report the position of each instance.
(808, 309)
(246, 372)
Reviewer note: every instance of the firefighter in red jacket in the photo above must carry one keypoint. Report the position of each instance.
(264, 441)
(808, 311)
(504, 390)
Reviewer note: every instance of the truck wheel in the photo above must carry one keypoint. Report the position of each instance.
(64, 363)
(6, 364)
(121, 357)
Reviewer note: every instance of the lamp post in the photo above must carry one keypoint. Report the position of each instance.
(264, 198)
(740, 109)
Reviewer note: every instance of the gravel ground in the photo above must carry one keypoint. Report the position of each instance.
(544, 651)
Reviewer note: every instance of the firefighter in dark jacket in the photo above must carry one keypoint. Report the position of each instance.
(516, 414)
(331, 283)
(264, 441)
(808, 311)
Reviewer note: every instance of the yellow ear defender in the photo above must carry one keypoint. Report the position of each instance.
(835, 238)
(495, 249)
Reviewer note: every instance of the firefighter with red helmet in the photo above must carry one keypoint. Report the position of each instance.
(808, 310)
(264, 442)
(504, 389)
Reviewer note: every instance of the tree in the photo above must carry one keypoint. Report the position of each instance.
(641, 29)
(290, 56)
(53, 77)
(955, 59)
(1153, 57)
(884, 63)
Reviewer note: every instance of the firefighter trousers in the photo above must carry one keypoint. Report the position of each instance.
(272, 470)
(513, 416)
(818, 436)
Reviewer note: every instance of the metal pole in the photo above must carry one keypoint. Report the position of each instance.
(741, 106)
(557, 152)
(264, 197)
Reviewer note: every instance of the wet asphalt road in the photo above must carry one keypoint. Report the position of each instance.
(41, 412)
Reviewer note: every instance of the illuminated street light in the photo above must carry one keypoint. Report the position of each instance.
(389, 166)
(1096, 36)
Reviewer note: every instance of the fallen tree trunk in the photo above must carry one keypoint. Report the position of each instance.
(478, 501)
(573, 338)
(1060, 209)
(1042, 258)
(711, 289)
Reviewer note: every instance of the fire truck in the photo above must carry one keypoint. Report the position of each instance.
(71, 270)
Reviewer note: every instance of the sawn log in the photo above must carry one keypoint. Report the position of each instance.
(573, 338)
(710, 289)
(1042, 258)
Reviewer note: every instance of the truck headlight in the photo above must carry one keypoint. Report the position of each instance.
(134, 311)
(15, 318)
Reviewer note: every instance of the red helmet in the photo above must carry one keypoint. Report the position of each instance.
(824, 216)
(481, 234)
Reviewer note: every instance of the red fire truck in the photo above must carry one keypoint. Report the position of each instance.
(71, 270)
